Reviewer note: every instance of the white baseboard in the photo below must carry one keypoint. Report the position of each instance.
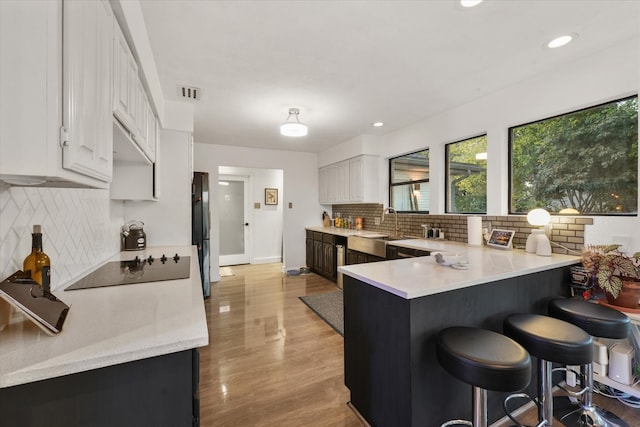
(266, 260)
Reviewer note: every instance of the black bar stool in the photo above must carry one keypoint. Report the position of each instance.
(597, 321)
(549, 340)
(486, 360)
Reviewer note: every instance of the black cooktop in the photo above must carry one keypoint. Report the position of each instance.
(136, 271)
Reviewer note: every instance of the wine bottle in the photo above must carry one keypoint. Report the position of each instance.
(37, 263)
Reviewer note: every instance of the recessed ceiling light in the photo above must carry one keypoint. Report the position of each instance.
(561, 41)
(470, 3)
(377, 124)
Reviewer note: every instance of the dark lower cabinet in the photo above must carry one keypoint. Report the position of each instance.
(160, 391)
(399, 252)
(309, 253)
(318, 257)
(356, 257)
(321, 256)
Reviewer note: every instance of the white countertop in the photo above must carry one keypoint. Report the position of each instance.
(417, 277)
(110, 325)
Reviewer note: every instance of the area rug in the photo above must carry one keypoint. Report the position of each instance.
(329, 307)
(226, 271)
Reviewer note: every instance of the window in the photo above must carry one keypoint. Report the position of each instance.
(466, 165)
(586, 161)
(409, 182)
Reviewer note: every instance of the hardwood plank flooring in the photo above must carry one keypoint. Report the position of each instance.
(271, 361)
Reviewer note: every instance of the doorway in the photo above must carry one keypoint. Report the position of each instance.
(233, 202)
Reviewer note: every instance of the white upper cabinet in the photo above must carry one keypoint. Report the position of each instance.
(49, 101)
(350, 181)
(140, 133)
(323, 181)
(342, 181)
(87, 82)
(131, 106)
(125, 80)
(363, 179)
(152, 134)
(135, 129)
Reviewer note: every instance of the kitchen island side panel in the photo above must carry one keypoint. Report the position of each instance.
(377, 353)
(161, 391)
(414, 388)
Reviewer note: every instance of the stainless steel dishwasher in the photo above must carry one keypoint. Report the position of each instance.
(340, 261)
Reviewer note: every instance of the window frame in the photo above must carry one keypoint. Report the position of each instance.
(420, 181)
(447, 189)
(510, 165)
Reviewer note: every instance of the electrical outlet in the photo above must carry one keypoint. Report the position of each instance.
(377, 221)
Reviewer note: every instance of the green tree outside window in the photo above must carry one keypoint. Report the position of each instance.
(586, 160)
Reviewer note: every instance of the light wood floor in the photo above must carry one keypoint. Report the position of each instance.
(272, 362)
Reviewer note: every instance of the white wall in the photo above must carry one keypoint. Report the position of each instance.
(363, 144)
(300, 188)
(611, 74)
(168, 221)
(265, 222)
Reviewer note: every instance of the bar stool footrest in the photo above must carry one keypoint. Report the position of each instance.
(576, 394)
(457, 423)
(508, 411)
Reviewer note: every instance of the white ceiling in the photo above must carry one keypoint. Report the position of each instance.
(347, 64)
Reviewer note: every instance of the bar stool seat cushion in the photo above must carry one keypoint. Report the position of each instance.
(596, 320)
(550, 339)
(483, 358)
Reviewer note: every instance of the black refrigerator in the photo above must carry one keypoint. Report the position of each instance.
(200, 226)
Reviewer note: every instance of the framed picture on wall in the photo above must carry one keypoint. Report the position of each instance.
(270, 196)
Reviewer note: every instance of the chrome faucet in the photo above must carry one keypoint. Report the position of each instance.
(393, 211)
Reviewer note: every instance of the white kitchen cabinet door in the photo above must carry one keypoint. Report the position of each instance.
(31, 84)
(342, 182)
(355, 179)
(141, 116)
(87, 79)
(152, 134)
(323, 190)
(329, 184)
(363, 179)
(125, 78)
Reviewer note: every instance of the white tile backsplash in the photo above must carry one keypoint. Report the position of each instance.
(81, 229)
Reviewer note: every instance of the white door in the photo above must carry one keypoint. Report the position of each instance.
(233, 202)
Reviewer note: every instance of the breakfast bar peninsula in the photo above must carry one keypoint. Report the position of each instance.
(394, 309)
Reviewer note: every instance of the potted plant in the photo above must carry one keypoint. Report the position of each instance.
(615, 272)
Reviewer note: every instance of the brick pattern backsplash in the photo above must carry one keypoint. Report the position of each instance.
(80, 227)
(567, 231)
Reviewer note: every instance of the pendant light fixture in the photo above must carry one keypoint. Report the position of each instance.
(292, 126)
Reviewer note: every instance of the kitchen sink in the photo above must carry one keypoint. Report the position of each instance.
(373, 245)
(390, 238)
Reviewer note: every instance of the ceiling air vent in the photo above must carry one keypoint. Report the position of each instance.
(190, 93)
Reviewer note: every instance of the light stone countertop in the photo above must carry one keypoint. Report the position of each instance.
(421, 276)
(110, 325)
